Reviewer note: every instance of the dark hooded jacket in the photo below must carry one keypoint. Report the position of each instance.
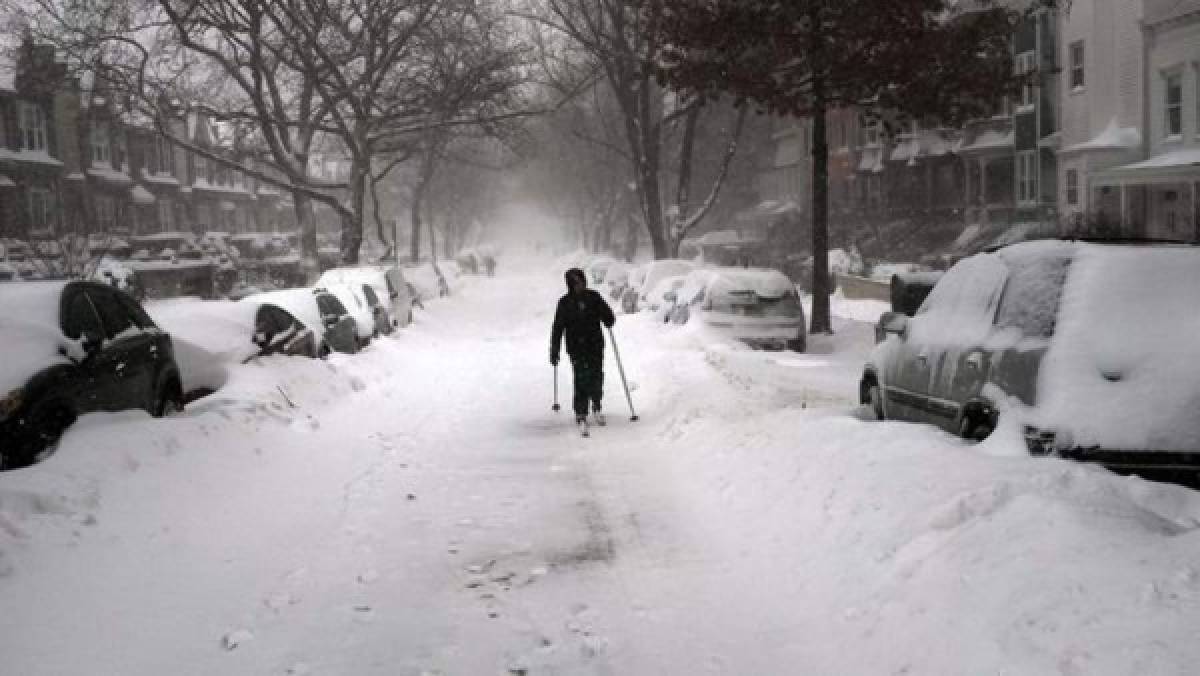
(579, 316)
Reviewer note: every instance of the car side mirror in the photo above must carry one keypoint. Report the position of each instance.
(894, 323)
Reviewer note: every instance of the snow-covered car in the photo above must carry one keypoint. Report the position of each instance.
(317, 310)
(387, 282)
(636, 295)
(597, 268)
(468, 261)
(351, 298)
(72, 348)
(615, 279)
(1091, 347)
(429, 281)
(759, 307)
(628, 292)
(661, 297)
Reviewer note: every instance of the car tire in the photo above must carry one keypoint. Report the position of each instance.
(875, 399)
(974, 429)
(48, 423)
(169, 401)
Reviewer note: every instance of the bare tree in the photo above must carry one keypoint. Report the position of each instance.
(617, 41)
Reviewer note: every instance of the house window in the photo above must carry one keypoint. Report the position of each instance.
(166, 214)
(1026, 65)
(1077, 64)
(41, 208)
(100, 145)
(204, 217)
(871, 134)
(1073, 187)
(201, 168)
(1173, 103)
(31, 121)
(1027, 176)
(106, 213)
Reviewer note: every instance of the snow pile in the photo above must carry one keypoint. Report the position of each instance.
(842, 262)
(209, 337)
(1123, 370)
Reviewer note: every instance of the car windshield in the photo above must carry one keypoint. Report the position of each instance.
(749, 304)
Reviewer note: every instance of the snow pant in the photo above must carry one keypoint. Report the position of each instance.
(589, 381)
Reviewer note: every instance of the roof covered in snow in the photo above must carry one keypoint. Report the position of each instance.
(1114, 137)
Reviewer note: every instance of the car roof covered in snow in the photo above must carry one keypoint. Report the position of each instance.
(30, 330)
(762, 282)
(659, 270)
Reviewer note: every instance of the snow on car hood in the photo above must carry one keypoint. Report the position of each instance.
(30, 331)
(1123, 370)
(300, 303)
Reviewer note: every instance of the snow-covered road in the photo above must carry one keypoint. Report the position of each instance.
(417, 509)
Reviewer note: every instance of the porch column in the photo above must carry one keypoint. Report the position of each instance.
(983, 190)
(1195, 213)
(1124, 218)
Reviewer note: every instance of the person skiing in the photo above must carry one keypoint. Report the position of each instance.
(580, 313)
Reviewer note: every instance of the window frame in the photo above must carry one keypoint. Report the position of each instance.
(1169, 76)
(1025, 63)
(32, 126)
(100, 148)
(1071, 184)
(1078, 64)
(39, 203)
(1025, 175)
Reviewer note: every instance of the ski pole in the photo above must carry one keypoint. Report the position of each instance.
(555, 407)
(621, 369)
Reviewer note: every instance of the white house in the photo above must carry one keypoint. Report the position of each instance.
(1158, 193)
(1101, 56)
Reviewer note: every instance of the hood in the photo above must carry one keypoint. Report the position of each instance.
(575, 273)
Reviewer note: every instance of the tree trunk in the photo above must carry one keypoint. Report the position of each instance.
(309, 261)
(377, 214)
(820, 321)
(683, 193)
(352, 223)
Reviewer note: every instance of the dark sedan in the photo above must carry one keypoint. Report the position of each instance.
(74, 348)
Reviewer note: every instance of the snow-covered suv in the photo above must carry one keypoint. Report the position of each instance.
(1095, 348)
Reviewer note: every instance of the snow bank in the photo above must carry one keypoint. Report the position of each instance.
(1124, 367)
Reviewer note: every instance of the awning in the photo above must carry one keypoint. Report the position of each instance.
(1114, 137)
(6, 182)
(141, 196)
(1178, 165)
